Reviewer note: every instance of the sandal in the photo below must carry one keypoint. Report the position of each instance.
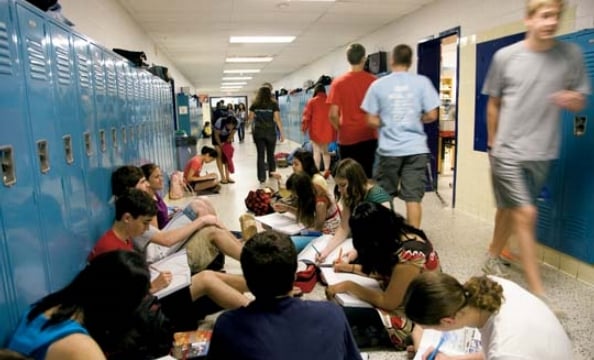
(223, 182)
(231, 181)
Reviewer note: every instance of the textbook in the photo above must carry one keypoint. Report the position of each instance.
(178, 265)
(456, 342)
(308, 254)
(330, 277)
(285, 222)
(191, 344)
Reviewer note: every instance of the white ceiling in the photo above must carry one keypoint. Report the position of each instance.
(194, 34)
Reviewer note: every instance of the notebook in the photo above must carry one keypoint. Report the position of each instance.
(308, 254)
(285, 223)
(178, 265)
(330, 277)
(456, 342)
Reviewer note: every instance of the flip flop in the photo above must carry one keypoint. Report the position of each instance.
(223, 182)
(231, 181)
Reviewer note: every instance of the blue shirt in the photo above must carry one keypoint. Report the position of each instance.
(400, 99)
(286, 328)
(31, 340)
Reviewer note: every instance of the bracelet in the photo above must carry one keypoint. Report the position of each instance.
(353, 269)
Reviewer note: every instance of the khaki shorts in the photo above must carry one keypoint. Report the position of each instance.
(201, 249)
(517, 183)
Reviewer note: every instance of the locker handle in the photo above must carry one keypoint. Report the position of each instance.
(102, 140)
(88, 143)
(114, 137)
(7, 161)
(124, 135)
(43, 154)
(579, 125)
(68, 153)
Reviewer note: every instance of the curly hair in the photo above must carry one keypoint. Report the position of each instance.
(431, 297)
(351, 171)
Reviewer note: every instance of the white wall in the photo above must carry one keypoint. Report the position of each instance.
(109, 24)
(479, 21)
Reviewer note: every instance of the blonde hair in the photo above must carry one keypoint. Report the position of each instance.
(532, 6)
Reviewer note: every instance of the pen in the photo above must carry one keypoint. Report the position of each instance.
(316, 250)
(339, 258)
(155, 268)
(436, 350)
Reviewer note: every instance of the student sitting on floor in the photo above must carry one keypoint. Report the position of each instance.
(514, 324)
(394, 253)
(95, 309)
(196, 228)
(193, 169)
(134, 210)
(303, 161)
(354, 187)
(313, 206)
(154, 176)
(277, 325)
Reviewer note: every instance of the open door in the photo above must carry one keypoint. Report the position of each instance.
(429, 62)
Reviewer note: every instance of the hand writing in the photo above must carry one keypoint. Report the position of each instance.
(162, 281)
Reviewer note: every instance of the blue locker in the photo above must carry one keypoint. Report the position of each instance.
(576, 210)
(85, 103)
(48, 145)
(112, 107)
(123, 117)
(23, 269)
(100, 177)
(68, 259)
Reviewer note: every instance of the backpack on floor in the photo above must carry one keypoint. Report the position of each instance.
(178, 186)
(258, 201)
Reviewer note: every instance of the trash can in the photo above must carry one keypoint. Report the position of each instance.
(185, 147)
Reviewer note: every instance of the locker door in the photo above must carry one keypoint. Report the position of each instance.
(47, 144)
(576, 232)
(85, 105)
(112, 106)
(429, 64)
(68, 252)
(22, 260)
(102, 175)
(124, 119)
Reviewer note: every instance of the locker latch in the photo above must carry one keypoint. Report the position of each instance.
(7, 165)
(102, 140)
(579, 125)
(88, 143)
(43, 155)
(69, 156)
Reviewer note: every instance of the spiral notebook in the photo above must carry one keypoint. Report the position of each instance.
(178, 265)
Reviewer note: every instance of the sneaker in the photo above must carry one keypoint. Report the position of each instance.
(493, 266)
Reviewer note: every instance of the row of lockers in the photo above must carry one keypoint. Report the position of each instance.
(70, 112)
(291, 111)
(566, 204)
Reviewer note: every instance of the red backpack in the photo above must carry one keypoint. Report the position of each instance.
(258, 201)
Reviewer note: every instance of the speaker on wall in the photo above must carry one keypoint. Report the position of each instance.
(377, 63)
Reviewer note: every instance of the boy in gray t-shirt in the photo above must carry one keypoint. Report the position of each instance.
(528, 84)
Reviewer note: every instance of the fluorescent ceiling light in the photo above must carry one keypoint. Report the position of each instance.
(227, 78)
(251, 59)
(231, 86)
(233, 83)
(261, 39)
(242, 71)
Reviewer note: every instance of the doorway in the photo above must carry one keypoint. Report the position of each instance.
(438, 59)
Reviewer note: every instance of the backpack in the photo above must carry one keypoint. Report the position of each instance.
(178, 186)
(258, 201)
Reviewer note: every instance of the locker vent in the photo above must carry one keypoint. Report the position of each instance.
(589, 61)
(36, 60)
(111, 81)
(545, 217)
(99, 75)
(63, 65)
(83, 70)
(5, 63)
(573, 229)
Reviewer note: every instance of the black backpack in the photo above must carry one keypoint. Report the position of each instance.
(138, 58)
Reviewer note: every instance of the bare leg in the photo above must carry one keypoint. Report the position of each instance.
(204, 185)
(208, 283)
(501, 232)
(524, 220)
(414, 213)
(227, 243)
(220, 163)
(326, 157)
(317, 153)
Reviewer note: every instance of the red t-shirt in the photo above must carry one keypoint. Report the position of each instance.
(110, 242)
(347, 91)
(196, 164)
(315, 120)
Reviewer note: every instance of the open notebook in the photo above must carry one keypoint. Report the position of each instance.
(330, 277)
(456, 342)
(309, 252)
(285, 222)
(178, 265)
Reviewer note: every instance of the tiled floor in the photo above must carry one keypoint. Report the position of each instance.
(460, 239)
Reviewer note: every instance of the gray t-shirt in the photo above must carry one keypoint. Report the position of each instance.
(528, 126)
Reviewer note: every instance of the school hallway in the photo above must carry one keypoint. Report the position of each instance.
(460, 239)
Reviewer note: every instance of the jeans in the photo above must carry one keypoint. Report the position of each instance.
(265, 144)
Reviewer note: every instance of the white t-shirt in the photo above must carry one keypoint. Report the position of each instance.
(524, 329)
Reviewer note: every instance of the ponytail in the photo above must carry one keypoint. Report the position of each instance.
(484, 293)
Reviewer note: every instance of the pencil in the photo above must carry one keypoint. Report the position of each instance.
(316, 250)
(435, 351)
(155, 268)
(339, 258)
